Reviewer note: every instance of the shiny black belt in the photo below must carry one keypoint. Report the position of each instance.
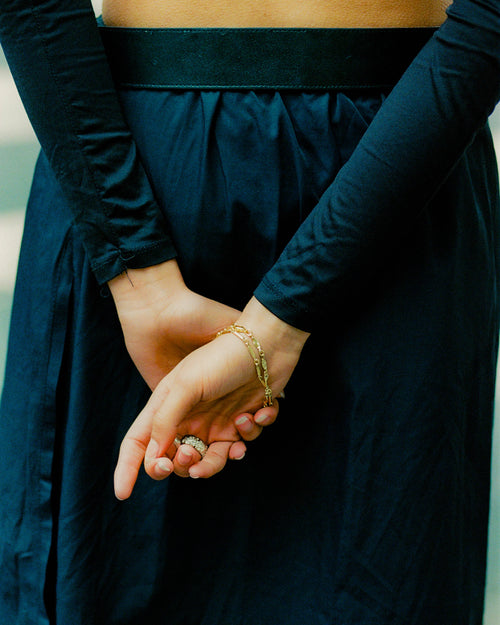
(261, 58)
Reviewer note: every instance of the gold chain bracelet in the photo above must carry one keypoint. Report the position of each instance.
(257, 353)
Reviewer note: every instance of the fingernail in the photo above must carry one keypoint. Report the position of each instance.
(262, 419)
(244, 424)
(163, 466)
(183, 457)
(241, 457)
(195, 477)
(152, 450)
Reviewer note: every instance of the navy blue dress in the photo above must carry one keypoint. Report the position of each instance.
(376, 225)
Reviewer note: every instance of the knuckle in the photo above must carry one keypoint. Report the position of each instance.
(163, 389)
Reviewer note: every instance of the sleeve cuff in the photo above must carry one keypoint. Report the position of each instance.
(121, 260)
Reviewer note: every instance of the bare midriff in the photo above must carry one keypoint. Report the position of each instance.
(274, 13)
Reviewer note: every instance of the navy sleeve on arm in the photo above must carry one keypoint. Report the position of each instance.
(59, 65)
(413, 143)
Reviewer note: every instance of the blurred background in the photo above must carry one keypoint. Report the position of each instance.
(18, 152)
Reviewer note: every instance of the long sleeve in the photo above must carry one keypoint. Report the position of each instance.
(413, 143)
(59, 65)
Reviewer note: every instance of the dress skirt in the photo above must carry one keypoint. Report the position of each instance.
(374, 510)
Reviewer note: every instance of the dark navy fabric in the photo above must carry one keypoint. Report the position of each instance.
(380, 517)
(387, 240)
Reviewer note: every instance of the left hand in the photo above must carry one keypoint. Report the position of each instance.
(162, 320)
(204, 395)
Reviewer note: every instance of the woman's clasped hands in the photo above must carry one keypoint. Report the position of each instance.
(203, 385)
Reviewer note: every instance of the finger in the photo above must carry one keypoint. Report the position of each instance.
(127, 468)
(250, 426)
(267, 416)
(131, 456)
(185, 457)
(214, 461)
(161, 467)
(237, 450)
(247, 428)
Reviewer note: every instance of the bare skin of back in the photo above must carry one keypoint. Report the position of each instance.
(275, 13)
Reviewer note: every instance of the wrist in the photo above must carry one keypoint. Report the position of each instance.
(146, 284)
(273, 333)
(280, 342)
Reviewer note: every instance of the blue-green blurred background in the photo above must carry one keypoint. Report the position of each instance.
(18, 151)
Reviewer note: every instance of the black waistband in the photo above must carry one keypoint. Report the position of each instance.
(261, 58)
